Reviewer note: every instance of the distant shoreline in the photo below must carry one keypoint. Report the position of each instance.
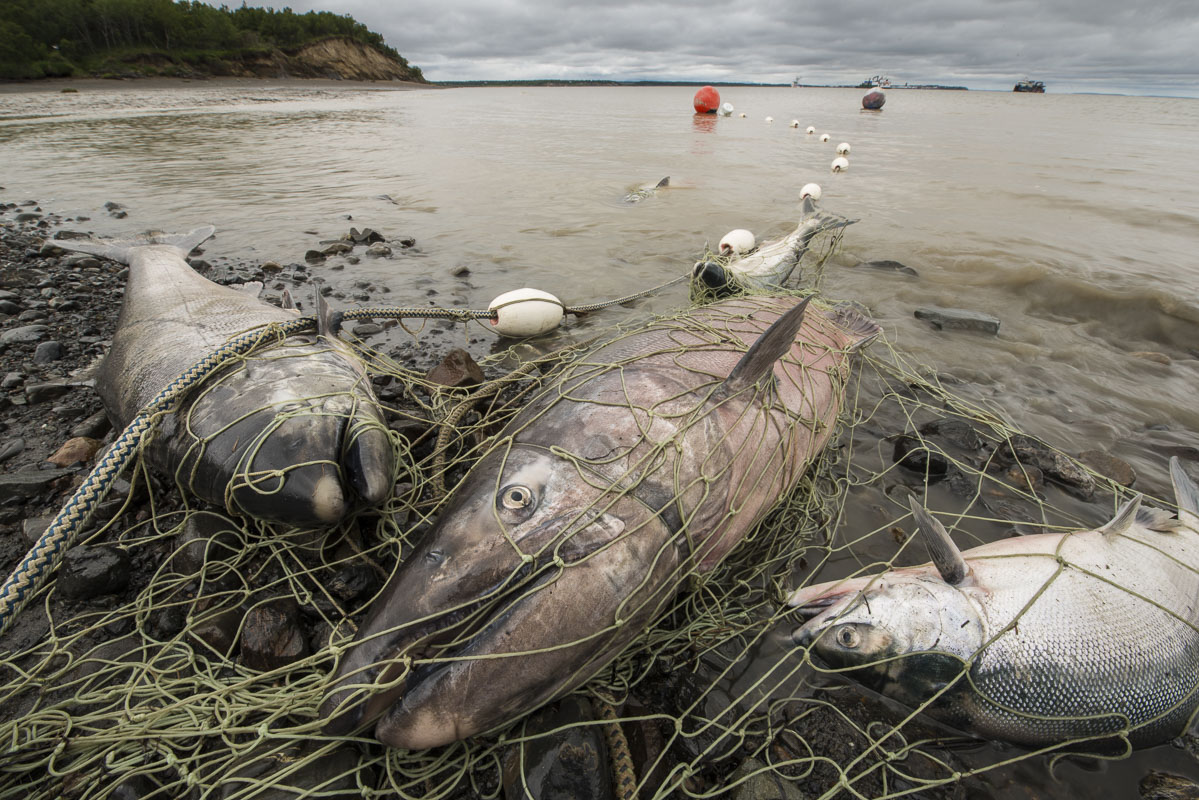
(157, 83)
(160, 83)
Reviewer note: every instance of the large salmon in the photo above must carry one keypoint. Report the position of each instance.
(283, 434)
(645, 461)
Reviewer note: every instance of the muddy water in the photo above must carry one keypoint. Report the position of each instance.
(1072, 219)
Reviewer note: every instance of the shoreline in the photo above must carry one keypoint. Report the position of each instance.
(162, 84)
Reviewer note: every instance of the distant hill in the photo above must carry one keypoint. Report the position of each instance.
(141, 38)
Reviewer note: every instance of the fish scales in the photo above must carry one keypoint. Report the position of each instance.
(1039, 640)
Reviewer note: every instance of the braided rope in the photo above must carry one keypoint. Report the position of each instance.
(623, 772)
(43, 558)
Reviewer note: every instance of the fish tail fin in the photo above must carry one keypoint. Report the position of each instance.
(122, 249)
(858, 327)
(664, 182)
(819, 219)
(1185, 493)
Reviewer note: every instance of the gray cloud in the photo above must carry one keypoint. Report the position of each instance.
(1073, 45)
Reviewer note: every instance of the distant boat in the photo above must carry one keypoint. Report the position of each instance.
(795, 83)
(1030, 86)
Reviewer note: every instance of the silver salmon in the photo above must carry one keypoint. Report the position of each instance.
(292, 433)
(1038, 640)
(645, 461)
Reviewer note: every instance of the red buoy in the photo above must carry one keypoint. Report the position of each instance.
(873, 100)
(706, 101)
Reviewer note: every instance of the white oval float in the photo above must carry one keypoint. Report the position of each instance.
(824, 137)
(770, 119)
(811, 190)
(525, 312)
(843, 149)
(811, 129)
(794, 123)
(840, 164)
(726, 110)
(737, 242)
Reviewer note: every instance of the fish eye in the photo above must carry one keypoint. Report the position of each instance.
(516, 497)
(848, 636)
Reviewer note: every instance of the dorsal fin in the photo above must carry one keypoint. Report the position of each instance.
(324, 318)
(286, 302)
(664, 182)
(1185, 494)
(772, 345)
(1126, 517)
(946, 556)
(251, 288)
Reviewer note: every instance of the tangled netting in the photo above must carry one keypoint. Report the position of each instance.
(168, 689)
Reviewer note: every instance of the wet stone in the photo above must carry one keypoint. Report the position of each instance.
(81, 261)
(1028, 451)
(365, 236)
(33, 528)
(93, 570)
(333, 776)
(1109, 466)
(956, 432)
(958, 319)
(10, 448)
(911, 453)
(561, 758)
(338, 248)
(47, 352)
(761, 783)
(314, 256)
(9, 307)
(1164, 786)
(21, 486)
(94, 427)
(272, 637)
(378, 250)
(12, 380)
(456, 369)
(25, 334)
(218, 630)
(353, 582)
(890, 266)
(204, 538)
(42, 392)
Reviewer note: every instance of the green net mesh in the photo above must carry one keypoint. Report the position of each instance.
(168, 688)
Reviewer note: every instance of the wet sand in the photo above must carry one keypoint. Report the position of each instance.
(159, 84)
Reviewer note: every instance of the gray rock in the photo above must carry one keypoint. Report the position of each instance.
(367, 328)
(958, 319)
(338, 248)
(333, 776)
(1029, 451)
(47, 352)
(94, 427)
(1109, 466)
(33, 528)
(272, 637)
(41, 392)
(561, 757)
(12, 380)
(314, 256)
(456, 369)
(81, 261)
(21, 486)
(25, 333)
(92, 570)
(9, 307)
(204, 538)
(378, 250)
(28, 216)
(5, 294)
(13, 447)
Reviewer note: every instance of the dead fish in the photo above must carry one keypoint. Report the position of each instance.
(1037, 640)
(769, 267)
(645, 461)
(293, 433)
(646, 191)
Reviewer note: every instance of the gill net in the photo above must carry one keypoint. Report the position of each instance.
(203, 677)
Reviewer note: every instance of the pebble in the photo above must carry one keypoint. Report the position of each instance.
(271, 636)
(456, 369)
(367, 328)
(33, 528)
(13, 447)
(378, 250)
(365, 236)
(337, 249)
(89, 571)
(12, 380)
(1030, 451)
(218, 630)
(94, 427)
(1109, 466)
(1164, 786)
(41, 392)
(314, 256)
(47, 352)
(9, 307)
(25, 334)
(79, 450)
(958, 319)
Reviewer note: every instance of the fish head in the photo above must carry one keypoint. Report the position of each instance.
(293, 434)
(906, 634)
(535, 576)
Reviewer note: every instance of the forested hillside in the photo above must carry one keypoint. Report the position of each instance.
(58, 38)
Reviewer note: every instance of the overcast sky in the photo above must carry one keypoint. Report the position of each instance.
(1073, 45)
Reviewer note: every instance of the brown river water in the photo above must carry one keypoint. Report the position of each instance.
(1074, 219)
